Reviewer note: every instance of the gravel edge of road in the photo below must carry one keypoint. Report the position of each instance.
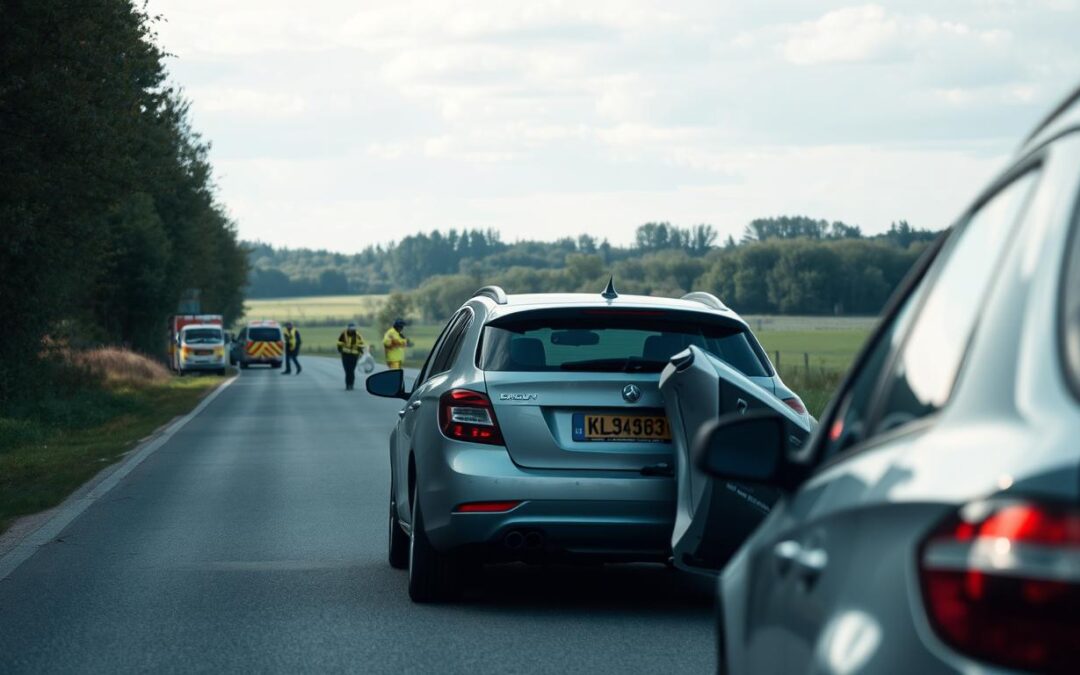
(29, 533)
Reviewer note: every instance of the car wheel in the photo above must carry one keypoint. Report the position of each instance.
(398, 542)
(433, 576)
(221, 372)
(243, 365)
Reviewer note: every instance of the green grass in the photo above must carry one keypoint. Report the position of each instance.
(48, 453)
(813, 361)
(825, 349)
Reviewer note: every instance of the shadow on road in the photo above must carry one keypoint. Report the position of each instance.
(609, 588)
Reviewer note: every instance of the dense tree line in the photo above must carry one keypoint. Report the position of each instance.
(107, 207)
(789, 264)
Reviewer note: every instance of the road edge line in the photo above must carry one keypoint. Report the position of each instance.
(72, 507)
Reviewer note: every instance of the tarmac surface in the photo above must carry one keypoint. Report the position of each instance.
(254, 539)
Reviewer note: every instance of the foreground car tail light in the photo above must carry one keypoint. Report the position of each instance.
(466, 415)
(795, 404)
(1001, 583)
(486, 507)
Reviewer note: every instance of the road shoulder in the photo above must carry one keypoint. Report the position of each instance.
(29, 533)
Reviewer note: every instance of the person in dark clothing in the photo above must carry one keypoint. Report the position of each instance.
(292, 348)
(350, 345)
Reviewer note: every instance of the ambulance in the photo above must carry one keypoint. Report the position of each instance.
(196, 342)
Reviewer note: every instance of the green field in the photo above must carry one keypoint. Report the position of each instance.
(317, 309)
(812, 354)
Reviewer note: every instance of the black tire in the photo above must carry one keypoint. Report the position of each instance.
(433, 576)
(275, 364)
(243, 365)
(398, 542)
(221, 372)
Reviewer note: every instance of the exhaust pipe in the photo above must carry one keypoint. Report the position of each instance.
(513, 540)
(534, 540)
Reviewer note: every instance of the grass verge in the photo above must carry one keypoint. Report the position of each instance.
(48, 448)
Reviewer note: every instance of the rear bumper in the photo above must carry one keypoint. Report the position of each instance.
(615, 515)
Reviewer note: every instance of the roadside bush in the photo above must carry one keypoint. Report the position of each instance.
(75, 390)
(121, 366)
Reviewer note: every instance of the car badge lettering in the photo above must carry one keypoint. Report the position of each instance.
(631, 393)
(517, 397)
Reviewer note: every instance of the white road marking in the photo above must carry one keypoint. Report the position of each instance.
(70, 509)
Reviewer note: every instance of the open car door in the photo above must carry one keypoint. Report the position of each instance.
(713, 517)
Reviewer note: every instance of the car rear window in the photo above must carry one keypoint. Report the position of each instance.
(264, 334)
(613, 341)
(195, 335)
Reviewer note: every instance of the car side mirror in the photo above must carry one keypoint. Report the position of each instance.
(388, 384)
(751, 447)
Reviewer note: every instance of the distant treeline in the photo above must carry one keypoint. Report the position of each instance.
(789, 264)
(107, 207)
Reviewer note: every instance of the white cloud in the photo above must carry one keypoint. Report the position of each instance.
(241, 101)
(848, 35)
(367, 121)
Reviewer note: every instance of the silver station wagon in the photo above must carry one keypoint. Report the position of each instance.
(536, 430)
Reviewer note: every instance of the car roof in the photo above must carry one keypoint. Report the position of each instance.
(1064, 117)
(532, 301)
(264, 323)
(192, 326)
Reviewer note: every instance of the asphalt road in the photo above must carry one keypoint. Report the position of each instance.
(255, 540)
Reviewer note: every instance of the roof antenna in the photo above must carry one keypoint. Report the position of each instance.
(609, 292)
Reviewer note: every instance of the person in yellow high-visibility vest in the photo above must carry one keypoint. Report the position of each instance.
(395, 342)
(350, 345)
(292, 348)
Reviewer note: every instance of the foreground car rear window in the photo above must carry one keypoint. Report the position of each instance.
(264, 334)
(613, 341)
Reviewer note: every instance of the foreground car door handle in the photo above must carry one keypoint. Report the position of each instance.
(414, 405)
(808, 563)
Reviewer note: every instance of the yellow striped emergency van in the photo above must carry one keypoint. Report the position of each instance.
(260, 342)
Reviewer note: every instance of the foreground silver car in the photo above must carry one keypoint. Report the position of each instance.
(932, 523)
(536, 429)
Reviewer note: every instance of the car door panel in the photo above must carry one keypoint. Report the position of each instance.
(795, 581)
(714, 517)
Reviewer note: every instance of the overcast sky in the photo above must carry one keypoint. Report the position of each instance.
(338, 123)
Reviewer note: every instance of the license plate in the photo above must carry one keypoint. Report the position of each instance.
(204, 352)
(648, 428)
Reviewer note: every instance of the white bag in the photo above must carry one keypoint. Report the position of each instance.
(367, 362)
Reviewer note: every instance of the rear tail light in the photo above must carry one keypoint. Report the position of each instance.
(795, 404)
(1001, 582)
(466, 415)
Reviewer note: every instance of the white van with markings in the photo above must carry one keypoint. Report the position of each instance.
(201, 347)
